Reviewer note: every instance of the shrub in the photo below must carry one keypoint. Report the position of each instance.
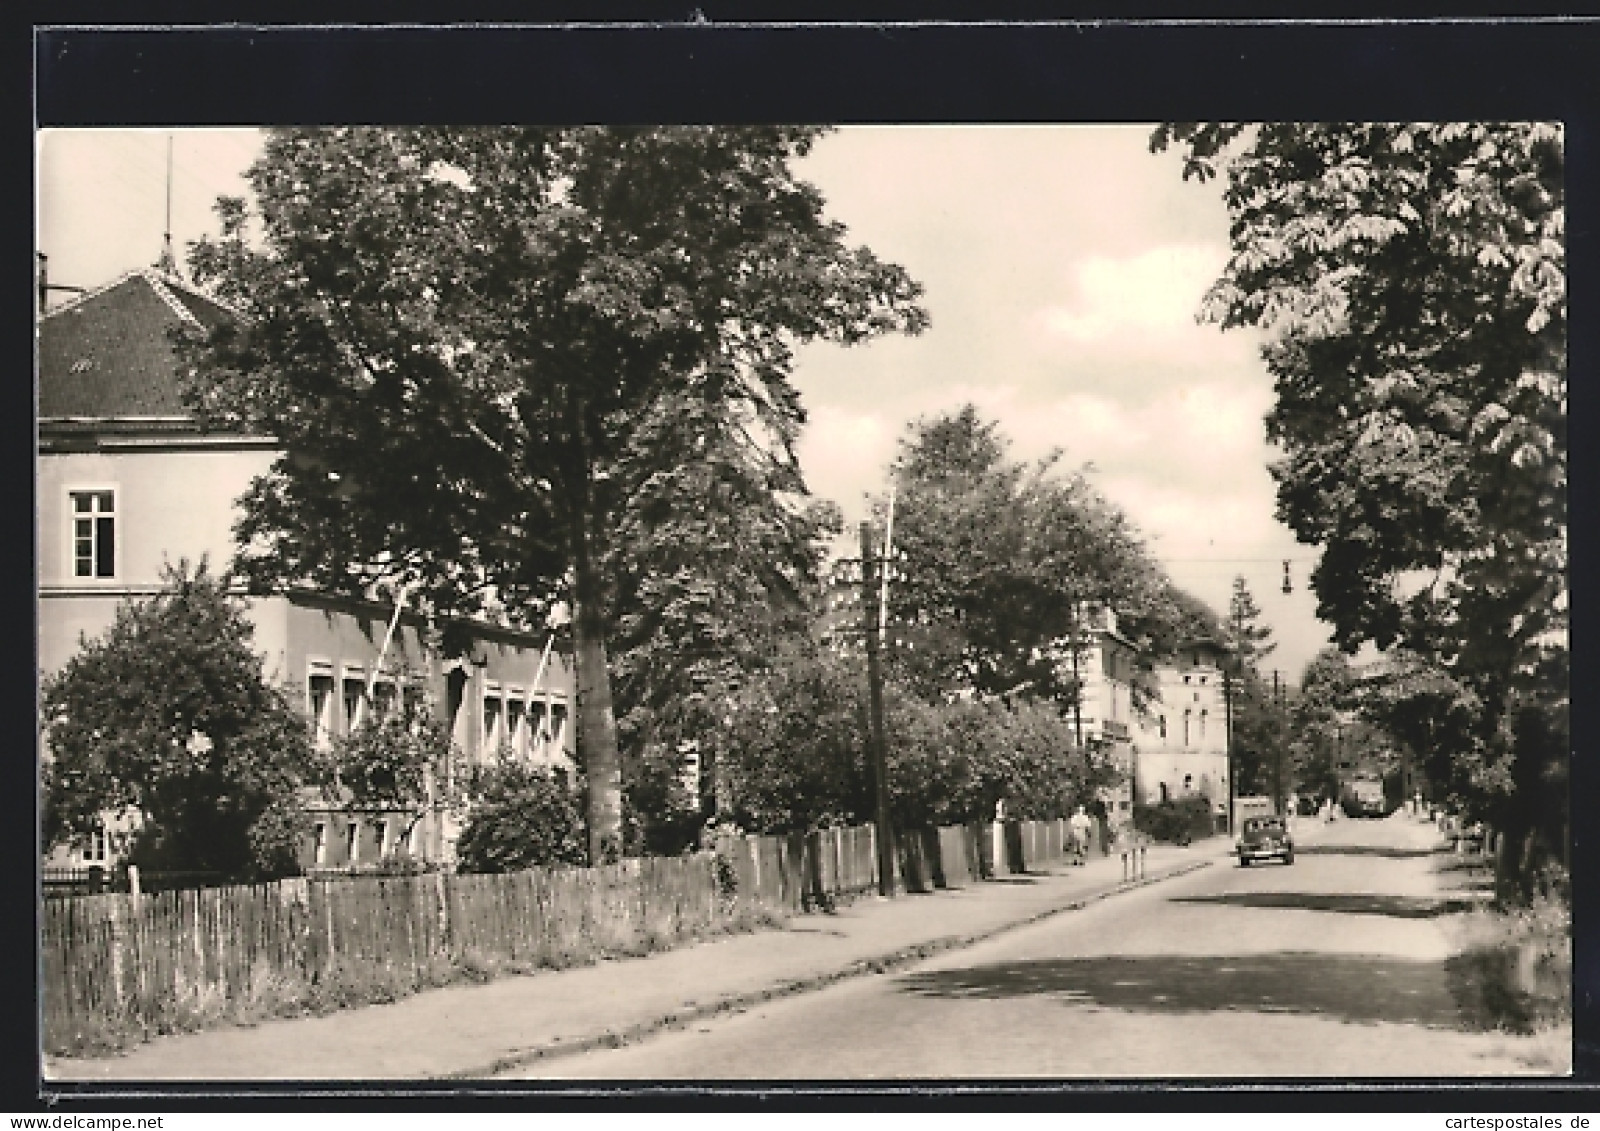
(521, 817)
(1176, 821)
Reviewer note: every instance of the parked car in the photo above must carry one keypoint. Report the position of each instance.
(1264, 838)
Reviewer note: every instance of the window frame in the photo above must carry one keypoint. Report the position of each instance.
(323, 730)
(69, 551)
(350, 721)
(96, 846)
(557, 736)
(491, 732)
(515, 723)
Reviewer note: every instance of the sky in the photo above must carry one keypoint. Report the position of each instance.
(1063, 267)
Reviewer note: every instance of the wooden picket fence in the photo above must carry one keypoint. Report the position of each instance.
(160, 961)
(147, 961)
(802, 871)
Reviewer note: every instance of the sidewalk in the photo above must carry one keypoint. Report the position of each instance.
(475, 1031)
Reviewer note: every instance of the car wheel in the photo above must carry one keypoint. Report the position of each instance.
(1288, 858)
(1244, 862)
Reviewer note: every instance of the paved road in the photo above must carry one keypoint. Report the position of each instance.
(1333, 966)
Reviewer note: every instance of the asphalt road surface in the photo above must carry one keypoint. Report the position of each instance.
(1334, 966)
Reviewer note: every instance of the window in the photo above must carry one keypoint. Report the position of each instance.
(352, 841)
(517, 724)
(355, 701)
(1164, 794)
(1185, 679)
(94, 849)
(380, 836)
(319, 844)
(539, 730)
(1202, 681)
(319, 696)
(1202, 724)
(384, 699)
(1188, 782)
(1163, 726)
(1186, 726)
(493, 723)
(558, 724)
(94, 533)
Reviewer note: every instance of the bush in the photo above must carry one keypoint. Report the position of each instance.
(521, 817)
(170, 714)
(1176, 821)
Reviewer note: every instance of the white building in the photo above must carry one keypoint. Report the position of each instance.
(1182, 740)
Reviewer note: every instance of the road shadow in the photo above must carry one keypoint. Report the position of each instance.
(1358, 903)
(1363, 850)
(1366, 989)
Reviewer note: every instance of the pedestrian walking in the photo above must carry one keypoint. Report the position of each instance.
(1079, 824)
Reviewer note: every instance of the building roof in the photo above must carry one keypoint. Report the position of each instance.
(109, 355)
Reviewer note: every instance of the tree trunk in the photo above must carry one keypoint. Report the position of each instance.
(597, 722)
(597, 719)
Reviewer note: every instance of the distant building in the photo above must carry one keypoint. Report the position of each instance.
(1103, 718)
(1182, 739)
(128, 481)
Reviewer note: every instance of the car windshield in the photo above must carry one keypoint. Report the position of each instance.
(1263, 825)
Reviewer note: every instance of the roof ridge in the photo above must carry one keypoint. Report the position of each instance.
(177, 282)
(159, 285)
(94, 292)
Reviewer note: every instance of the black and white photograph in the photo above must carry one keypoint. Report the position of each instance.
(1056, 601)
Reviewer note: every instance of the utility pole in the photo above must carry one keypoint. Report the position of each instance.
(1277, 746)
(880, 772)
(1227, 708)
(1077, 681)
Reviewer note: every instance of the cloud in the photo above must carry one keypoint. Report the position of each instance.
(1155, 292)
(845, 455)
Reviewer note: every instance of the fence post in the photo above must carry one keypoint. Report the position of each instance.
(443, 896)
(115, 942)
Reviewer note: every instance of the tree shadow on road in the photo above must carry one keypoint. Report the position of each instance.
(1363, 850)
(1360, 988)
(1397, 906)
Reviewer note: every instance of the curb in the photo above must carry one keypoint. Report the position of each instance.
(735, 1003)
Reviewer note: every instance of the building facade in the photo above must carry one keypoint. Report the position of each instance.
(1103, 719)
(127, 482)
(1182, 738)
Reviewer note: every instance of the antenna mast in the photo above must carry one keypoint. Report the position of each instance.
(168, 264)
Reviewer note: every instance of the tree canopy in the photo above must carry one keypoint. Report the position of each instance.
(998, 562)
(169, 713)
(1411, 279)
(483, 347)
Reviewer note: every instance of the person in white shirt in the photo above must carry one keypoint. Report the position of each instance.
(1079, 824)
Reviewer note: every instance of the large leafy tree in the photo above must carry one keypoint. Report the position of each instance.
(998, 562)
(170, 714)
(481, 346)
(716, 566)
(1411, 279)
